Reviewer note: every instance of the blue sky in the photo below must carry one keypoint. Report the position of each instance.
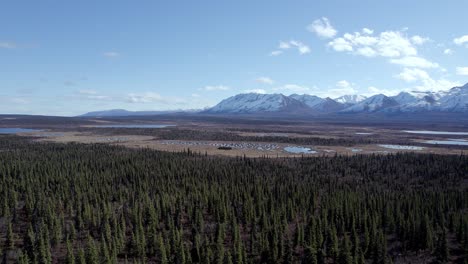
(71, 57)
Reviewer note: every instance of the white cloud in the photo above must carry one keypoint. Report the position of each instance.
(322, 28)
(301, 47)
(386, 44)
(448, 51)
(111, 54)
(461, 40)
(148, 97)
(340, 44)
(343, 84)
(341, 88)
(436, 85)
(276, 53)
(258, 91)
(418, 40)
(216, 88)
(88, 94)
(412, 75)
(7, 45)
(195, 95)
(372, 90)
(367, 52)
(265, 80)
(293, 88)
(424, 81)
(462, 71)
(367, 31)
(284, 45)
(414, 61)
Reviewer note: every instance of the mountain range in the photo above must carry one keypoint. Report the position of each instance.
(454, 100)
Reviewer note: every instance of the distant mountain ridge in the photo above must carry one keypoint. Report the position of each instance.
(454, 100)
(123, 112)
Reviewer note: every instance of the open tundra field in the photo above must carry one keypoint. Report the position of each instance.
(238, 136)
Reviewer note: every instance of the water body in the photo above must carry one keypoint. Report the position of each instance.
(364, 133)
(401, 147)
(447, 142)
(134, 126)
(429, 132)
(14, 130)
(300, 150)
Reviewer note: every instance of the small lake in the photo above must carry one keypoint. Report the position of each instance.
(429, 132)
(447, 142)
(14, 130)
(401, 147)
(300, 150)
(134, 126)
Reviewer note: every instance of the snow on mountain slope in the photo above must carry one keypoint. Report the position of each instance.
(309, 100)
(350, 99)
(257, 103)
(455, 100)
(372, 104)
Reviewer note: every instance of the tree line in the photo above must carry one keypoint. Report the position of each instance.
(78, 203)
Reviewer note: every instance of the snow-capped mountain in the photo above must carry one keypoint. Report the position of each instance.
(453, 100)
(372, 104)
(258, 103)
(309, 100)
(319, 105)
(350, 99)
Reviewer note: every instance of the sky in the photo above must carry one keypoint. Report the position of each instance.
(71, 57)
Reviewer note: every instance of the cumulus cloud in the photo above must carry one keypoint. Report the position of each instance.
(322, 28)
(367, 31)
(149, 97)
(462, 71)
(436, 85)
(301, 47)
(341, 88)
(424, 82)
(343, 84)
(264, 80)
(461, 40)
(414, 61)
(448, 51)
(412, 75)
(418, 40)
(111, 54)
(387, 44)
(372, 90)
(216, 88)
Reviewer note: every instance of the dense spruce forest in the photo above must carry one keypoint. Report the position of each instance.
(77, 203)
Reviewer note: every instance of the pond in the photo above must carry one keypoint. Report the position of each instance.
(134, 126)
(14, 130)
(429, 132)
(300, 150)
(460, 142)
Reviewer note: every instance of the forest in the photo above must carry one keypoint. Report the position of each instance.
(96, 203)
